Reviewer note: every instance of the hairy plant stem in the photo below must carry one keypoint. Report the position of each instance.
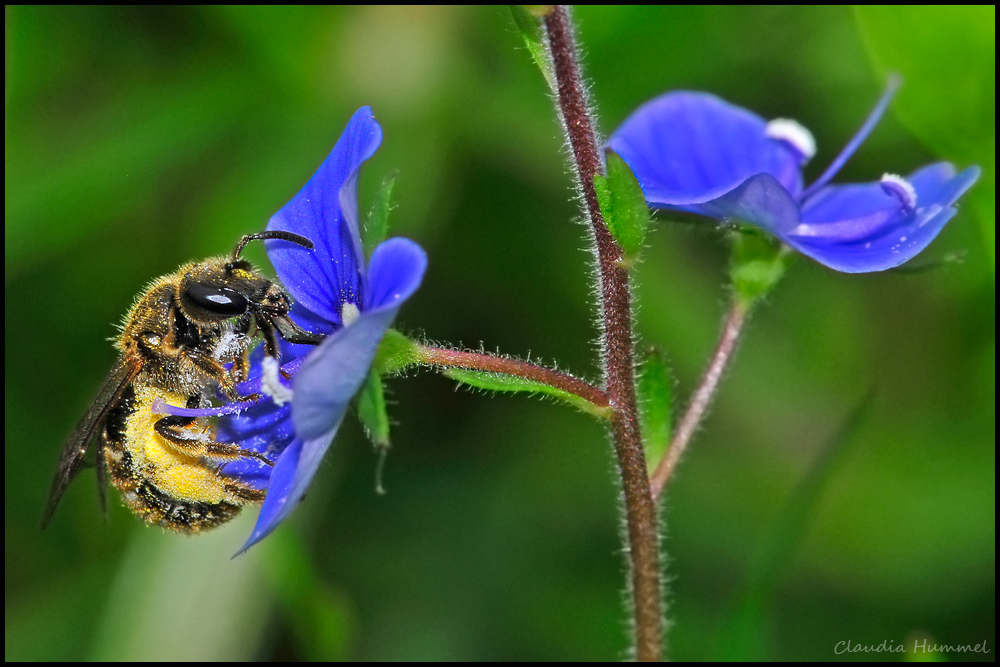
(616, 317)
(739, 310)
(439, 356)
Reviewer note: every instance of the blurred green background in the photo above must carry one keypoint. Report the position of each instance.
(136, 139)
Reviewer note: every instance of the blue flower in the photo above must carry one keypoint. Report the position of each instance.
(337, 294)
(696, 153)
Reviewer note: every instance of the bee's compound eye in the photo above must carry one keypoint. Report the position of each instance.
(219, 300)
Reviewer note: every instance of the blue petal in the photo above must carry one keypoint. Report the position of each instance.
(249, 471)
(394, 273)
(265, 427)
(325, 211)
(852, 212)
(689, 148)
(324, 387)
(937, 183)
(261, 428)
(859, 228)
(760, 200)
(881, 253)
(309, 321)
(276, 506)
(331, 375)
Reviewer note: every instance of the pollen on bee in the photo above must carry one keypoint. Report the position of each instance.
(230, 344)
(193, 435)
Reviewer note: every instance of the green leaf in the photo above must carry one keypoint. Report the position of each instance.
(377, 225)
(623, 205)
(511, 383)
(757, 265)
(527, 19)
(395, 353)
(373, 412)
(655, 394)
(947, 57)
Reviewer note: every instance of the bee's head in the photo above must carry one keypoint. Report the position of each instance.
(226, 287)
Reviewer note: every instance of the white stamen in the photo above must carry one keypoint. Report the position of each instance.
(901, 189)
(793, 133)
(349, 313)
(271, 382)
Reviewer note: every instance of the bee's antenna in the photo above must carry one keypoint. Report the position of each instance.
(291, 237)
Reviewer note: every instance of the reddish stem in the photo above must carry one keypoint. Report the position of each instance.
(616, 311)
(440, 356)
(703, 395)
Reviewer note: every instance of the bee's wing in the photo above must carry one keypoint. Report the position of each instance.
(71, 459)
(102, 475)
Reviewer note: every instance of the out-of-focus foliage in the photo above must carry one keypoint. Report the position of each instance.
(139, 138)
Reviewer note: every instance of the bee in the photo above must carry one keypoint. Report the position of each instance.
(186, 340)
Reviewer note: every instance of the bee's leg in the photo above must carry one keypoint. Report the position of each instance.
(212, 368)
(271, 348)
(272, 326)
(241, 366)
(174, 429)
(227, 381)
(227, 451)
(242, 492)
(292, 332)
